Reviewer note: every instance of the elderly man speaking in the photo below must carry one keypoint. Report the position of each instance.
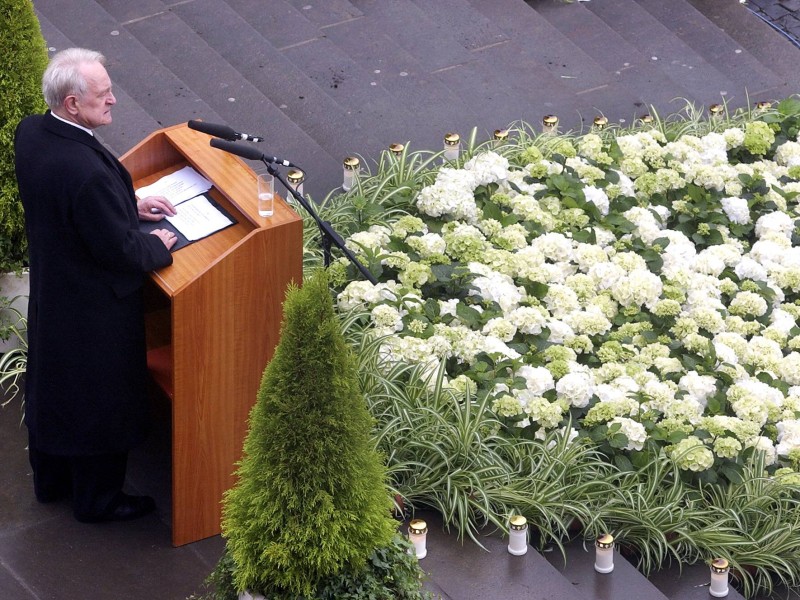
(86, 403)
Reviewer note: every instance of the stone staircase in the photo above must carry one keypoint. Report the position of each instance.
(465, 571)
(324, 79)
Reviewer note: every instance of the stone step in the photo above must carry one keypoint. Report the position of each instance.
(492, 572)
(688, 583)
(592, 89)
(534, 38)
(759, 39)
(632, 68)
(149, 97)
(461, 570)
(577, 567)
(326, 12)
(468, 78)
(231, 96)
(676, 59)
(298, 97)
(726, 54)
(170, 87)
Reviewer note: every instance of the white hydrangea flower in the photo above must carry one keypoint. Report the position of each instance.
(788, 154)
(501, 328)
(639, 288)
(528, 319)
(576, 388)
(364, 293)
(763, 353)
(698, 387)
(387, 318)
(451, 196)
(561, 300)
(560, 332)
(789, 368)
(487, 167)
(537, 379)
(498, 288)
(633, 430)
(775, 223)
(747, 268)
(427, 245)
(788, 436)
(556, 247)
(736, 210)
(597, 197)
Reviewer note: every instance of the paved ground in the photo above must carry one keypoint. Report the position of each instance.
(324, 79)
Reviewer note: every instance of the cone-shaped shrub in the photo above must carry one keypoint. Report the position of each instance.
(311, 496)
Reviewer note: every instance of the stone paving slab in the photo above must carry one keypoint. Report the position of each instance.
(412, 30)
(693, 583)
(758, 36)
(537, 40)
(727, 55)
(326, 12)
(405, 79)
(630, 67)
(299, 99)
(677, 60)
(282, 24)
(487, 573)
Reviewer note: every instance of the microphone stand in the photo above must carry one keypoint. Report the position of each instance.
(329, 236)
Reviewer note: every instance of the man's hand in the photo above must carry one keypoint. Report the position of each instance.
(166, 236)
(155, 208)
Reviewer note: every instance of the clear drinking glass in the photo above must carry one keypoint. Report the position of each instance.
(266, 195)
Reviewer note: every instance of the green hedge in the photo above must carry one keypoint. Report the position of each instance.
(24, 59)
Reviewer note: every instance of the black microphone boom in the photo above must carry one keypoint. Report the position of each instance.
(249, 152)
(328, 235)
(243, 150)
(222, 131)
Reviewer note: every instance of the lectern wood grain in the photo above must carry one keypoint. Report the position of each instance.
(213, 321)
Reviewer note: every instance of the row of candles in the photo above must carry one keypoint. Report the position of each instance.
(604, 551)
(452, 141)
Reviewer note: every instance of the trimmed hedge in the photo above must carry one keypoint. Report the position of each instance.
(24, 58)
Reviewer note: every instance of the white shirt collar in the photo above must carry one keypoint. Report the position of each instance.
(86, 129)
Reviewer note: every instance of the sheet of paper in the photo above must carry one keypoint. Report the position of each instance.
(177, 187)
(197, 218)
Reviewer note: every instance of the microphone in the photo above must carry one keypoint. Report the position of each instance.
(249, 152)
(222, 131)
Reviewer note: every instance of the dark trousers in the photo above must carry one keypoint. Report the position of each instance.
(95, 482)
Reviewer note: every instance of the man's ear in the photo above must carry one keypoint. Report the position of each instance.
(71, 105)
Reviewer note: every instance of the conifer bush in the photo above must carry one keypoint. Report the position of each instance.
(311, 500)
(24, 59)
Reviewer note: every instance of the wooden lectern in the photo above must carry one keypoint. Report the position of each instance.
(213, 321)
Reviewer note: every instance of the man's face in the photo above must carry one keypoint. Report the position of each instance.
(93, 108)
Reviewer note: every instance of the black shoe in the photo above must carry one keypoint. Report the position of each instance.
(123, 508)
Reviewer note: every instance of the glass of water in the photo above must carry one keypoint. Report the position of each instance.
(266, 195)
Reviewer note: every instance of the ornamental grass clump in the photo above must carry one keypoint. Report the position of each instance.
(311, 500)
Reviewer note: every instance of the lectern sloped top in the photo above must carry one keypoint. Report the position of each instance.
(172, 148)
(213, 320)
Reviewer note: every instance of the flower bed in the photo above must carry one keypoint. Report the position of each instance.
(637, 291)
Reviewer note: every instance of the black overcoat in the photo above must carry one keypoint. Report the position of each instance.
(85, 388)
